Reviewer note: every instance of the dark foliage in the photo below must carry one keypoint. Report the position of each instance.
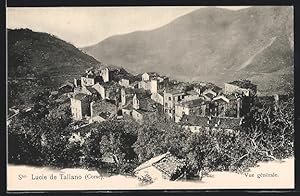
(41, 138)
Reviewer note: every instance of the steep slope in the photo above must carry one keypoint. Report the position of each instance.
(34, 54)
(39, 61)
(209, 44)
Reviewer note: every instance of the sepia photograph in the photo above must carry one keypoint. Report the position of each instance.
(150, 98)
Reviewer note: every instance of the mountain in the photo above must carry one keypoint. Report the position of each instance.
(34, 54)
(37, 61)
(212, 44)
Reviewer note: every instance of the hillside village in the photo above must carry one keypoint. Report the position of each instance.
(112, 94)
(104, 94)
(148, 125)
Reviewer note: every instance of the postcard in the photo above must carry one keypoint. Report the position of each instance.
(150, 97)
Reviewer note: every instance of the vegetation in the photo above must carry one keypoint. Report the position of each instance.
(33, 54)
(38, 61)
(39, 137)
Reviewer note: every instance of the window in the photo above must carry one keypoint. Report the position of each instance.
(166, 104)
(170, 99)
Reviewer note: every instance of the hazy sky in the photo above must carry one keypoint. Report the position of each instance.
(83, 26)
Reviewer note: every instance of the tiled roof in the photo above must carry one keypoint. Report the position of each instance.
(232, 96)
(208, 86)
(169, 164)
(150, 162)
(218, 101)
(143, 95)
(191, 92)
(93, 76)
(210, 95)
(128, 106)
(166, 163)
(174, 91)
(141, 111)
(194, 120)
(221, 98)
(192, 103)
(67, 83)
(199, 85)
(129, 77)
(91, 89)
(243, 84)
(80, 96)
(135, 91)
(110, 84)
(216, 88)
(105, 115)
(103, 105)
(147, 104)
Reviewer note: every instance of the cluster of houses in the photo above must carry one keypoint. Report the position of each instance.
(105, 93)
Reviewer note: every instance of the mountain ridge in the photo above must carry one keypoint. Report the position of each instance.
(207, 42)
(39, 61)
(38, 53)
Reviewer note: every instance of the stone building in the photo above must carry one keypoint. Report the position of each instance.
(80, 106)
(102, 110)
(66, 87)
(227, 105)
(109, 90)
(105, 74)
(140, 107)
(158, 97)
(128, 93)
(244, 87)
(88, 80)
(162, 167)
(150, 85)
(171, 97)
(191, 95)
(153, 82)
(124, 82)
(192, 107)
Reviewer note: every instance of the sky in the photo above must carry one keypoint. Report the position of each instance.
(84, 26)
